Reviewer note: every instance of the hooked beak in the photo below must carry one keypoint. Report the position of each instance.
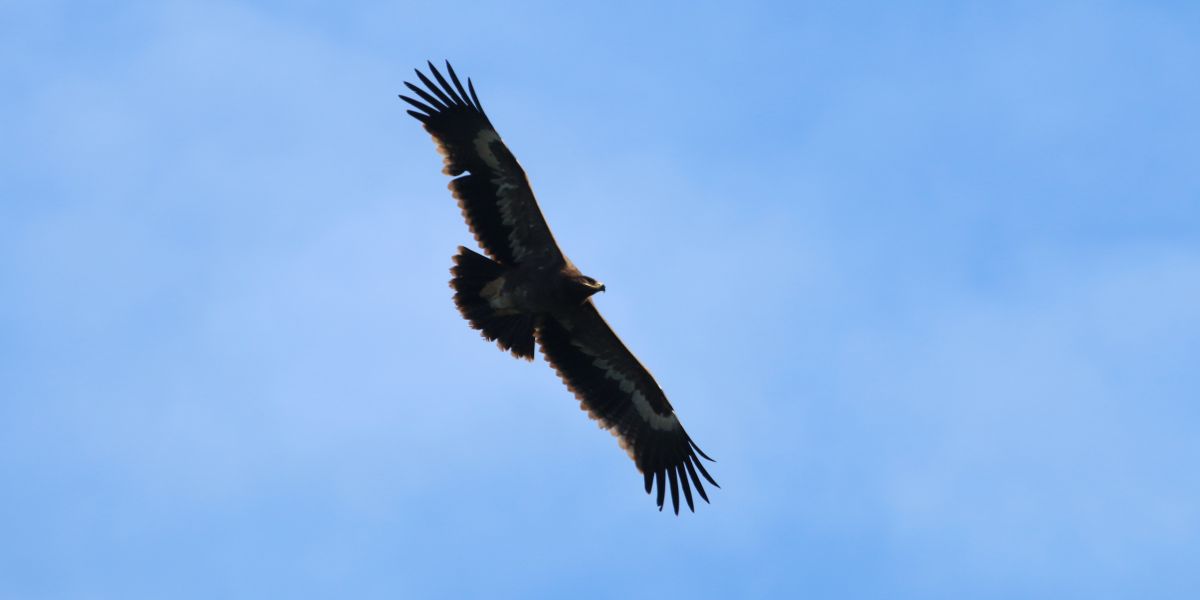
(600, 287)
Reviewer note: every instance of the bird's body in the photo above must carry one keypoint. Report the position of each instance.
(527, 292)
(538, 289)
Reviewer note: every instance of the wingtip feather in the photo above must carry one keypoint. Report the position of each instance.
(698, 450)
(459, 86)
(674, 479)
(662, 489)
(695, 479)
(475, 97)
(687, 489)
(704, 472)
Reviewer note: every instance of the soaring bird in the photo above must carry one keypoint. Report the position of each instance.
(526, 290)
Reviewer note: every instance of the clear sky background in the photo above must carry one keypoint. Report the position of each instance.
(924, 279)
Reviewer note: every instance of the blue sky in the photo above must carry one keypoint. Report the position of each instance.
(923, 279)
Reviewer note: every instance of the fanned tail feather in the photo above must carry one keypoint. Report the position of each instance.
(472, 274)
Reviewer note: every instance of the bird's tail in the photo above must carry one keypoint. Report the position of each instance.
(477, 279)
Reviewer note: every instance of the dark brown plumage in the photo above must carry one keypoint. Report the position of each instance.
(526, 290)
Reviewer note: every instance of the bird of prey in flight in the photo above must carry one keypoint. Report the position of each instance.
(526, 290)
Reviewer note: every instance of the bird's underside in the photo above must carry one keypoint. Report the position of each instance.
(525, 292)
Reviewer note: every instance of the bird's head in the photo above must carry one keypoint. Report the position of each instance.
(582, 287)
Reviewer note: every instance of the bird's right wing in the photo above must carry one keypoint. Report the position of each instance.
(615, 389)
(494, 196)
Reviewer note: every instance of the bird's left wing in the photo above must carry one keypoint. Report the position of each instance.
(495, 197)
(616, 390)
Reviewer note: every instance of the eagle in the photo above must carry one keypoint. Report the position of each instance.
(526, 291)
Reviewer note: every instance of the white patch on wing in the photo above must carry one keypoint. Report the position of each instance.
(640, 403)
(483, 147)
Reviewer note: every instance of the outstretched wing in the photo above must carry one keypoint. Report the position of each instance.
(615, 389)
(494, 196)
